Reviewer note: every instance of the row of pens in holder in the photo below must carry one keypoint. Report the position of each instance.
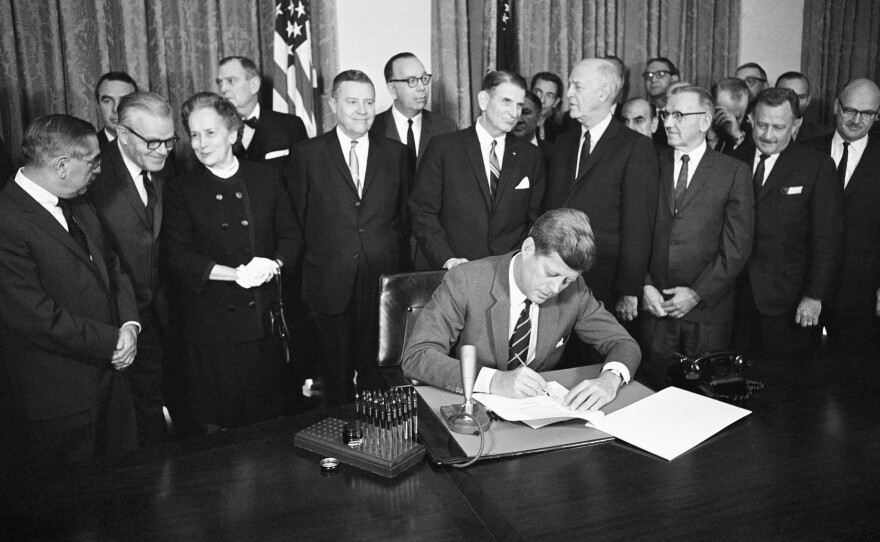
(384, 416)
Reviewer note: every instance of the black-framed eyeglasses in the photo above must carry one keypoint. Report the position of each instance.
(153, 144)
(751, 80)
(94, 165)
(659, 74)
(676, 115)
(849, 113)
(413, 81)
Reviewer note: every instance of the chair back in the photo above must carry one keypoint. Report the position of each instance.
(402, 298)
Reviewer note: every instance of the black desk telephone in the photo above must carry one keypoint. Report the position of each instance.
(715, 374)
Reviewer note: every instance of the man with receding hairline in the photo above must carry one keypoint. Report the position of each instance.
(756, 79)
(640, 115)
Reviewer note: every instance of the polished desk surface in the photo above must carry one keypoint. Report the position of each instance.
(804, 465)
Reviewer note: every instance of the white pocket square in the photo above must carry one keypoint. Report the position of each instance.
(277, 154)
(791, 190)
(523, 184)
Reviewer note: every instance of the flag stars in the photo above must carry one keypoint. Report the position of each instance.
(291, 8)
(297, 30)
(290, 29)
(278, 10)
(300, 10)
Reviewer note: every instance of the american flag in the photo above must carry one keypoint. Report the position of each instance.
(294, 76)
(505, 56)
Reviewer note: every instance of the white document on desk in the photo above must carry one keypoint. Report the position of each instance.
(670, 422)
(536, 411)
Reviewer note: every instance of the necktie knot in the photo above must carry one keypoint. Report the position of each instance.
(685, 158)
(763, 157)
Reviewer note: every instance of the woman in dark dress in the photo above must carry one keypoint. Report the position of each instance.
(228, 229)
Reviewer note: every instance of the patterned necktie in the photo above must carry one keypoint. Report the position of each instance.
(682, 183)
(354, 168)
(494, 170)
(72, 227)
(151, 196)
(758, 179)
(585, 155)
(518, 351)
(841, 167)
(411, 142)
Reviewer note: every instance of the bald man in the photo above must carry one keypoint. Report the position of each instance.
(852, 319)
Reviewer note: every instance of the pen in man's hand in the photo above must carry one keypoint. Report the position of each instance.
(519, 359)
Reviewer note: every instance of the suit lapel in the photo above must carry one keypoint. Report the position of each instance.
(372, 163)
(667, 183)
(475, 155)
(868, 164)
(390, 128)
(127, 187)
(426, 132)
(700, 177)
(335, 152)
(97, 255)
(603, 147)
(780, 171)
(499, 315)
(509, 167)
(548, 323)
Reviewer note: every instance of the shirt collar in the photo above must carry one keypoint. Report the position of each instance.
(484, 136)
(694, 156)
(255, 114)
(597, 130)
(133, 169)
(400, 118)
(345, 141)
(516, 296)
(857, 145)
(43, 196)
(110, 137)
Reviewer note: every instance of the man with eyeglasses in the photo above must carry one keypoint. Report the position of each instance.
(267, 136)
(798, 235)
(799, 83)
(701, 239)
(69, 324)
(659, 74)
(407, 120)
(755, 77)
(127, 195)
(853, 319)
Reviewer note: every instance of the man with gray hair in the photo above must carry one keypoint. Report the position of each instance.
(69, 324)
(610, 173)
(127, 195)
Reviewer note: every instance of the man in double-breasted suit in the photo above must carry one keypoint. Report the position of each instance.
(702, 238)
(477, 191)
(609, 172)
(518, 310)
(349, 191)
(798, 234)
(69, 319)
(853, 319)
(127, 195)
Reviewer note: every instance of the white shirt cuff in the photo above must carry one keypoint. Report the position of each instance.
(616, 365)
(135, 324)
(484, 380)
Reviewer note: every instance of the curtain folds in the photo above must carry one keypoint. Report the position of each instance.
(52, 53)
(450, 56)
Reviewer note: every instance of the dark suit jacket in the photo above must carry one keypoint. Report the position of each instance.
(432, 125)
(103, 142)
(452, 213)
(618, 191)
(342, 231)
(472, 306)
(61, 310)
(6, 169)
(798, 230)
(274, 138)
(707, 243)
(124, 218)
(211, 221)
(860, 271)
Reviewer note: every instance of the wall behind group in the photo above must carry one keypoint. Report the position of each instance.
(771, 35)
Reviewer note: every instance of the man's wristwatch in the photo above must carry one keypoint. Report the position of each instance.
(619, 375)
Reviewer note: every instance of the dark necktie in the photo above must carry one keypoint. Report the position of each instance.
(585, 154)
(758, 179)
(72, 227)
(494, 170)
(841, 167)
(411, 142)
(519, 342)
(682, 183)
(151, 196)
(252, 122)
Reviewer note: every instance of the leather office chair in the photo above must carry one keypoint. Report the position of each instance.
(402, 299)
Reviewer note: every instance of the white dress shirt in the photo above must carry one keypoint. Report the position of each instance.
(596, 133)
(400, 122)
(361, 150)
(135, 171)
(853, 154)
(694, 158)
(248, 134)
(486, 147)
(768, 164)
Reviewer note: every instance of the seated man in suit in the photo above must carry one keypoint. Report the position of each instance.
(798, 234)
(519, 310)
(268, 136)
(407, 120)
(478, 190)
(111, 87)
(69, 320)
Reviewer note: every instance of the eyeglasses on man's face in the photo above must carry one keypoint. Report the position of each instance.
(676, 115)
(659, 74)
(752, 81)
(153, 144)
(413, 81)
(850, 114)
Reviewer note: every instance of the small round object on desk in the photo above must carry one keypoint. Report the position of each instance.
(329, 464)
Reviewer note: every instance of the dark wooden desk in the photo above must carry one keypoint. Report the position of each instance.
(804, 465)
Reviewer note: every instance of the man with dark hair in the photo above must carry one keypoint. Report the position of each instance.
(69, 320)
(610, 173)
(798, 234)
(111, 87)
(659, 73)
(799, 83)
(127, 195)
(548, 88)
(407, 120)
(729, 125)
(701, 240)
(268, 137)
(755, 77)
(348, 188)
(640, 115)
(853, 319)
(477, 191)
(518, 310)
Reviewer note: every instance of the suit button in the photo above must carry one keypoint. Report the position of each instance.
(245, 223)
(230, 308)
(355, 257)
(357, 204)
(247, 251)
(252, 305)
(238, 195)
(224, 226)
(219, 197)
(360, 230)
